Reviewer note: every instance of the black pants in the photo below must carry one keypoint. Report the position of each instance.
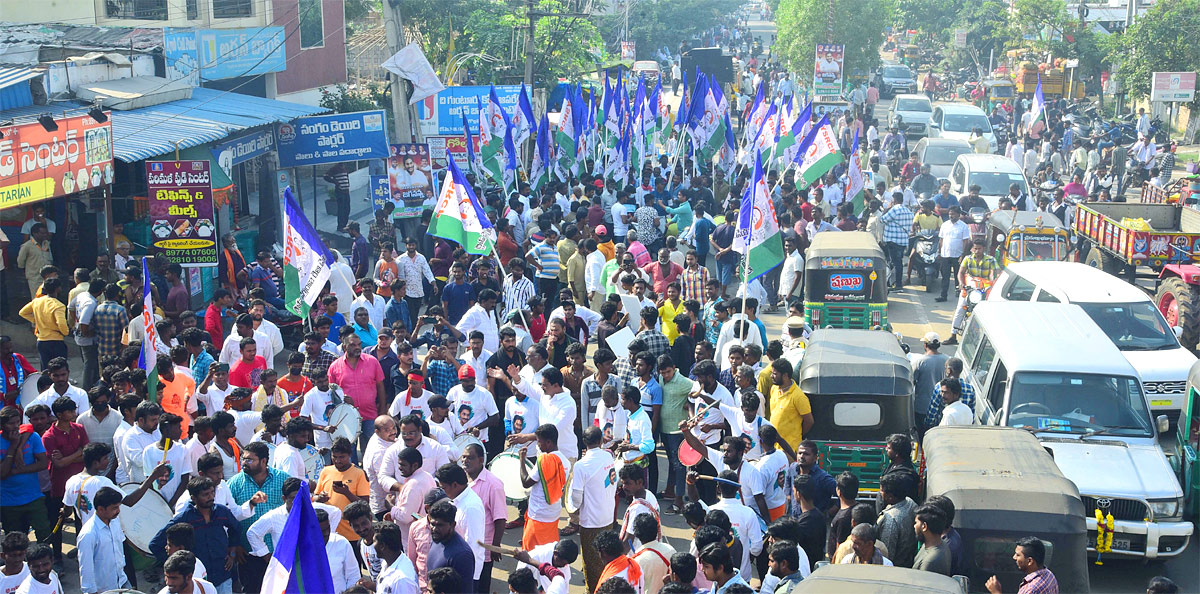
(414, 313)
(49, 350)
(548, 287)
(251, 573)
(343, 208)
(948, 268)
(895, 255)
(484, 583)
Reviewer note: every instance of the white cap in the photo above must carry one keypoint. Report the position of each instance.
(931, 337)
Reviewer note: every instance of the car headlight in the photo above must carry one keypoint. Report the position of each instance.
(1165, 509)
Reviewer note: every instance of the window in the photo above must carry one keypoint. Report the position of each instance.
(959, 175)
(993, 554)
(971, 338)
(983, 362)
(1045, 297)
(995, 395)
(1018, 289)
(150, 10)
(857, 414)
(232, 9)
(312, 24)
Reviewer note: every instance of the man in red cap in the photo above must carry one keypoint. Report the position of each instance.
(475, 407)
(413, 400)
(604, 243)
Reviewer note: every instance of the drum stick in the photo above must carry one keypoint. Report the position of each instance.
(705, 477)
(700, 412)
(166, 447)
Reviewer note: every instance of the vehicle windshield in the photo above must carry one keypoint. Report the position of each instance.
(1041, 247)
(995, 183)
(1002, 91)
(966, 122)
(944, 155)
(913, 105)
(1079, 403)
(896, 72)
(1133, 326)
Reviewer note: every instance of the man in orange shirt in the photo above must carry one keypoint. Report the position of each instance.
(342, 484)
(176, 392)
(294, 384)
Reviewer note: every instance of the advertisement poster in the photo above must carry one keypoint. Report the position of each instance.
(242, 149)
(827, 73)
(36, 164)
(215, 54)
(181, 212)
(380, 190)
(334, 138)
(442, 148)
(442, 114)
(410, 178)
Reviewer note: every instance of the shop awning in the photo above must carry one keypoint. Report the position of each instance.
(11, 75)
(207, 116)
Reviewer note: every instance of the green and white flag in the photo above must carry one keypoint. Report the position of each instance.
(458, 216)
(565, 137)
(306, 261)
(818, 153)
(757, 237)
(1038, 109)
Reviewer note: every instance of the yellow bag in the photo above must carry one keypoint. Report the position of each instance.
(1138, 224)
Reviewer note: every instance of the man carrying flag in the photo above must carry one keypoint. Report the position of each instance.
(458, 216)
(149, 354)
(818, 154)
(299, 563)
(855, 180)
(1037, 113)
(306, 261)
(757, 236)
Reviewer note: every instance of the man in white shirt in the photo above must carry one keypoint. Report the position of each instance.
(316, 406)
(100, 545)
(593, 493)
(557, 407)
(60, 373)
(793, 271)
(955, 412)
(731, 456)
(1143, 122)
(212, 467)
(910, 198)
(134, 441)
(286, 456)
(377, 447)
(547, 482)
(954, 238)
(476, 355)
(80, 311)
(231, 351)
(482, 317)
(475, 407)
(374, 304)
(639, 432)
(433, 454)
(272, 523)
(469, 517)
(593, 278)
(342, 562)
(398, 576)
(745, 521)
(258, 311)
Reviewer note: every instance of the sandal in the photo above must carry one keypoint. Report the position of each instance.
(571, 529)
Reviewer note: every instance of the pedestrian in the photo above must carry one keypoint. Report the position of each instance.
(897, 521)
(934, 555)
(49, 318)
(928, 369)
(897, 222)
(1030, 557)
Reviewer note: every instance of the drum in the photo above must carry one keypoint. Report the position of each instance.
(313, 462)
(145, 518)
(688, 455)
(347, 420)
(462, 440)
(29, 389)
(507, 466)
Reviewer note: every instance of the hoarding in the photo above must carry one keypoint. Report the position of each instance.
(827, 72)
(442, 114)
(182, 225)
(215, 54)
(1173, 86)
(410, 178)
(36, 164)
(334, 138)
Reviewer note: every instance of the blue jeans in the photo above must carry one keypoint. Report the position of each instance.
(895, 256)
(676, 473)
(225, 587)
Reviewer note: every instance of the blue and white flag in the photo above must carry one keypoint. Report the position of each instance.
(149, 352)
(299, 564)
(307, 263)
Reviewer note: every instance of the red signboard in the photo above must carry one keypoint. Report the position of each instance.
(36, 164)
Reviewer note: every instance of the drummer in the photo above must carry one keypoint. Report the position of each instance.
(15, 369)
(548, 482)
(318, 403)
(731, 456)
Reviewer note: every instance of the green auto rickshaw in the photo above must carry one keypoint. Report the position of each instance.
(859, 385)
(845, 281)
(1005, 486)
(1187, 442)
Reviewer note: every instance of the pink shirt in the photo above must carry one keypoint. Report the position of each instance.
(359, 382)
(661, 280)
(411, 500)
(420, 540)
(489, 488)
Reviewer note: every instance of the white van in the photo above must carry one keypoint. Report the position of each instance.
(1048, 368)
(1124, 312)
(959, 120)
(992, 173)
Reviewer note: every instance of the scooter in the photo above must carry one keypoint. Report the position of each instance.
(976, 220)
(924, 257)
(976, 290)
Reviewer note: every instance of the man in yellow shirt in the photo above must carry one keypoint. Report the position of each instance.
(790, 410)
(49, 318)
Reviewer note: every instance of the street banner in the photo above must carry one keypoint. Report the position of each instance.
(381, 191)
(196, 55)
(334, 138)
(243, 148)
(182, 225)
(442, 114)
(827, 74)
(410, 178)
(444, 148)
(36, 164)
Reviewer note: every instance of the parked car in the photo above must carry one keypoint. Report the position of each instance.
(992, 173)
(939, 154)
(957, 120)
(1049, 369)
(895, 78)
(912, 111)
(1123, 311)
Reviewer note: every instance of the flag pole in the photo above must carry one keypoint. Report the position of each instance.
(504, 276)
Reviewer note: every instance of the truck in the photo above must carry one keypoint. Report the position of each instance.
(1115, 240)
(1054, 83)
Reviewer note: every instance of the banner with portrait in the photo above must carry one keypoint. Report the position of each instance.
(410, 177)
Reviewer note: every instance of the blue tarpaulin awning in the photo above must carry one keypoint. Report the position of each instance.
(14, 88)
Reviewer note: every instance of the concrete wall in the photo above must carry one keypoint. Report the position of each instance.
(317, 66)
(69, 75)
(92, 12)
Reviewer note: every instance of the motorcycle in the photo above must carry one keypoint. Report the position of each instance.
(924, 258)
(976, 220)
(976, 291)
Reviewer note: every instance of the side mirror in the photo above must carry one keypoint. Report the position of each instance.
(1178, 330)
(935, 125)
(1163, 424)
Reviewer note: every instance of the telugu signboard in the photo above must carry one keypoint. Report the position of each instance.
(334, 138)
(36, 164)
(827, 72)
(215, 54)
(242, 149)
(1173, 86)
(443, 148)
(181, 212)
(380, 190)
(442, 114)
(410, 178)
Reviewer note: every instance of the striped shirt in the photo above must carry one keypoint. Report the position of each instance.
(547, 257)
(692, 282)
(517, 294)
(897, 224)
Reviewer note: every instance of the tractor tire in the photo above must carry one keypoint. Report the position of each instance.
(1098, 258)
(1179, 303)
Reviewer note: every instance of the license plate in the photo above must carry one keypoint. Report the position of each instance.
(1118, 544)
(1160, 403)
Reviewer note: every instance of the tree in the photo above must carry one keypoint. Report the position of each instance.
(1162, 40)
(564, 46)
(664, 23)
(857, 23)
(931, 16)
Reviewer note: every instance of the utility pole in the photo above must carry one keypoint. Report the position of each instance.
(393, 26)
(532, 16)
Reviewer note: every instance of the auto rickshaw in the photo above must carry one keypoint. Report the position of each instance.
(996, 91)
(877, 579)
(859, 385)
(1187, 442)
(1005, 486)
(910, 55)
(1024, 236)
(845, 281)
